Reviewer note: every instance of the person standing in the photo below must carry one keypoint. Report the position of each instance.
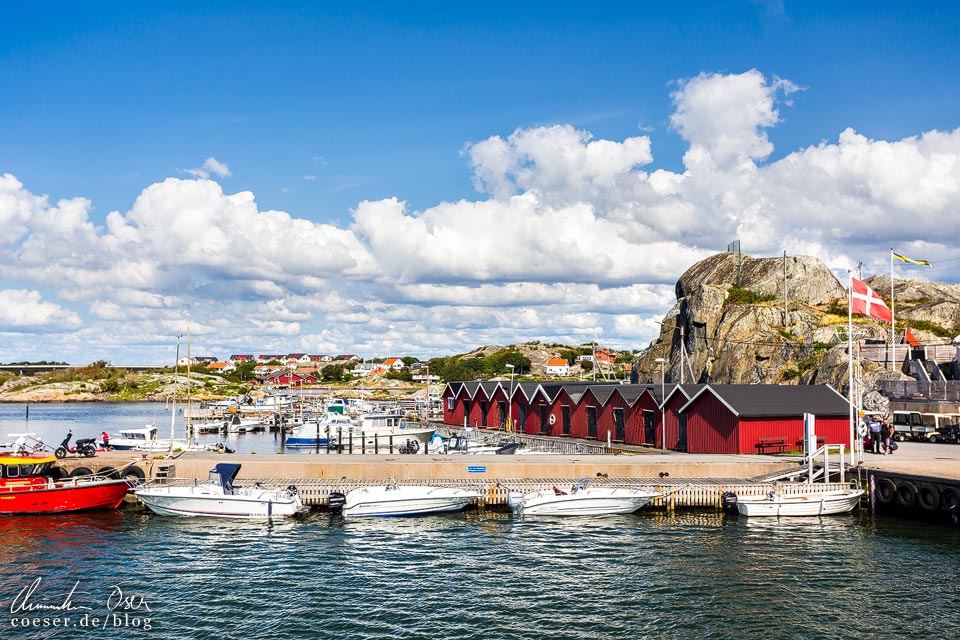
(888, 439)
(875, 435)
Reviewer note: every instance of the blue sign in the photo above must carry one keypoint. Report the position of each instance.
(477, 469)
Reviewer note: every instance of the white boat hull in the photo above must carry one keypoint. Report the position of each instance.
(807, 504)
(587, 502)
(201, 501)
(406, 500)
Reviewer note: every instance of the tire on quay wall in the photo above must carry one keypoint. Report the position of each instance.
(886, 491)
(80, 471)
(135, 474)
(108, 472)
(950, 499)
(58, 473)
(928, 497)
(907, 494)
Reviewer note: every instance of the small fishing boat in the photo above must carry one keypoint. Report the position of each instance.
(778, 504)
(580, 500)
(401, 500)
(25, 488)
(219, 497)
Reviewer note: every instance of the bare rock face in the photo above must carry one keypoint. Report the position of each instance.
(732, 342)
(808, 280)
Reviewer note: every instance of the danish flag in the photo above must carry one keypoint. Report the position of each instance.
(866, 302)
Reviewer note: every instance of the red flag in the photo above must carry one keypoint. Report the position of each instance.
(866, 302)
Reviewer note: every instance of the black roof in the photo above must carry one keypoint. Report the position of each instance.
(758, 400)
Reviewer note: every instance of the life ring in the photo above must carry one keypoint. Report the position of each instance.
(552, 419)
(80, 471)
(928, 497)
(886, 491)
(950, 499)
(907, 494)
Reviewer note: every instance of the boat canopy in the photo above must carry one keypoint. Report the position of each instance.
(225, 472)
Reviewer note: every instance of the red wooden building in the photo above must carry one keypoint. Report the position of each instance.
(733, 418)
(674, 422)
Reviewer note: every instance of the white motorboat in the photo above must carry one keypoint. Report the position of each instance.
(320, 432)
(219, 497)
(379, 430)
(580, 500)
(141, 439)
(778, 504)
(401, 500)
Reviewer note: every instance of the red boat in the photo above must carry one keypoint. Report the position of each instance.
(26, 488)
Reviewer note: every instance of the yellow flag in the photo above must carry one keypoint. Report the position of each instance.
(911, 260)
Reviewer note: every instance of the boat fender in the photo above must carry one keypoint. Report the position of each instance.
(950, 499)
(728, 501)
(906, 494)
(80, 471)
(886, 491)
(929, 497)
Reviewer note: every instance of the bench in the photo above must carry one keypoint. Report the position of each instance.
(780, 444)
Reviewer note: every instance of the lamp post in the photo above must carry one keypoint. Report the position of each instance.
(663, 438)
(510, 400)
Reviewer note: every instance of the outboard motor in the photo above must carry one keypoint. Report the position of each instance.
(729, 502)
(515, 501)
(336, 500)
(508, 449)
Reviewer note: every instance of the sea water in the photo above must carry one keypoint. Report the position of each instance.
(473, 575)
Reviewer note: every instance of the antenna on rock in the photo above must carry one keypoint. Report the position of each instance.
(734, 247)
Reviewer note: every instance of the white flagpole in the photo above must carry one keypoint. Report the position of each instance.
(893, 333)
(850, 361)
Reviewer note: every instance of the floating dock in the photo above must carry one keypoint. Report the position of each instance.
(686, 480)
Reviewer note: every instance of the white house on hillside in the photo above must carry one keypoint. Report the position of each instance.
(557, 367)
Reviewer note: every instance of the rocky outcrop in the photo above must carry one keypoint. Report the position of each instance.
(808, 280)
(751, 339)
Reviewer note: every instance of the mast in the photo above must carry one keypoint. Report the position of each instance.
(850, 361)
(176, 381)
(189, 410)
(893, 331)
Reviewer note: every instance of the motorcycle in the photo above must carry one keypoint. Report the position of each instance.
(84, 447)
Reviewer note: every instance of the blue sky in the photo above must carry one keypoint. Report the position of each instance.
(316, 109)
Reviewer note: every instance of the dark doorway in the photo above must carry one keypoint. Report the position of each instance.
(544, 427)
(483, 413)
(649, 427)
(501, 414)
(618, 422)
(592, 422)
(565, 416)
(466, 412)
(522, 419)
(682, 440)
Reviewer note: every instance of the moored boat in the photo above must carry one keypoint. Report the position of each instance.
(777, 504)
(580, 500)
(401, 500)
(218, 497)
(25, 488)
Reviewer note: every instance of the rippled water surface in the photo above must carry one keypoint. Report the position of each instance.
(488, 575)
